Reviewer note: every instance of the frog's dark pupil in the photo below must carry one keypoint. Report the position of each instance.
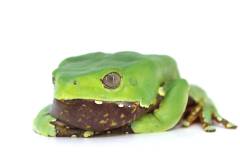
(111, 80)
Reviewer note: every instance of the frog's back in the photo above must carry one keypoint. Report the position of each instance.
(105, 58)
(126, 57)
(163, 65)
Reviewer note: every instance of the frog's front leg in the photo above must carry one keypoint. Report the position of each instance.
(170, 111)
(205, 110)
(46, 125)
(43, 123)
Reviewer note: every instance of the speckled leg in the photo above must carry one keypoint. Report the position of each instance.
(206, 111)
(206, 119)
(192, 116)
(219, 119)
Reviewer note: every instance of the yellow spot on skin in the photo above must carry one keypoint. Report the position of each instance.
(103, 121)
(98, 102)
(80, 119)
(161, 91)
(229, 125)
(122, 115)
(198, 108)
(88, 134)
(120, 105)
(219, 119)
(105, 115)
(113, 123)
(186, 123)
(193, 113)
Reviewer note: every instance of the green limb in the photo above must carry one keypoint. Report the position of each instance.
(223, 121)
(170, 111)
(206, 119)
(42, 123)
(208, 111)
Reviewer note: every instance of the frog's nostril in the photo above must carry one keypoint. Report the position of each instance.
(74, 82)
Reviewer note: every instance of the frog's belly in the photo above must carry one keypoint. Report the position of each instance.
(98, 116)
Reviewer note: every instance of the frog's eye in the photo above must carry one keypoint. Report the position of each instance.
(111, 80)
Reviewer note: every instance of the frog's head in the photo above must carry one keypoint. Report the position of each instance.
(124, 77)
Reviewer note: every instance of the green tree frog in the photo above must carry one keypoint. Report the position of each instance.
(124, 92)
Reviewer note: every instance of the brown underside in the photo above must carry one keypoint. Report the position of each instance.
(64, 130)
(87, 115)
(190, 116)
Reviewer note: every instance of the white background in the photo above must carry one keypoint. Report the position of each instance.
(203, 36)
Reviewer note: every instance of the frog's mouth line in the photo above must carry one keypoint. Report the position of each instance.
(98, 115)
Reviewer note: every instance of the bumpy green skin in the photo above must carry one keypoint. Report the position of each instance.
(141, 76)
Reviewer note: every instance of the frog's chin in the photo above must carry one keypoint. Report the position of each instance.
(97, 115)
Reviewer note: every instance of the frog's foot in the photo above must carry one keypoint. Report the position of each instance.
(223, 121)
(43, 123)
(210, 114)
(206, 115)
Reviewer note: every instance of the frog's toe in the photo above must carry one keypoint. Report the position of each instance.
(209, 128)
(206, 122)
(223, 121)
